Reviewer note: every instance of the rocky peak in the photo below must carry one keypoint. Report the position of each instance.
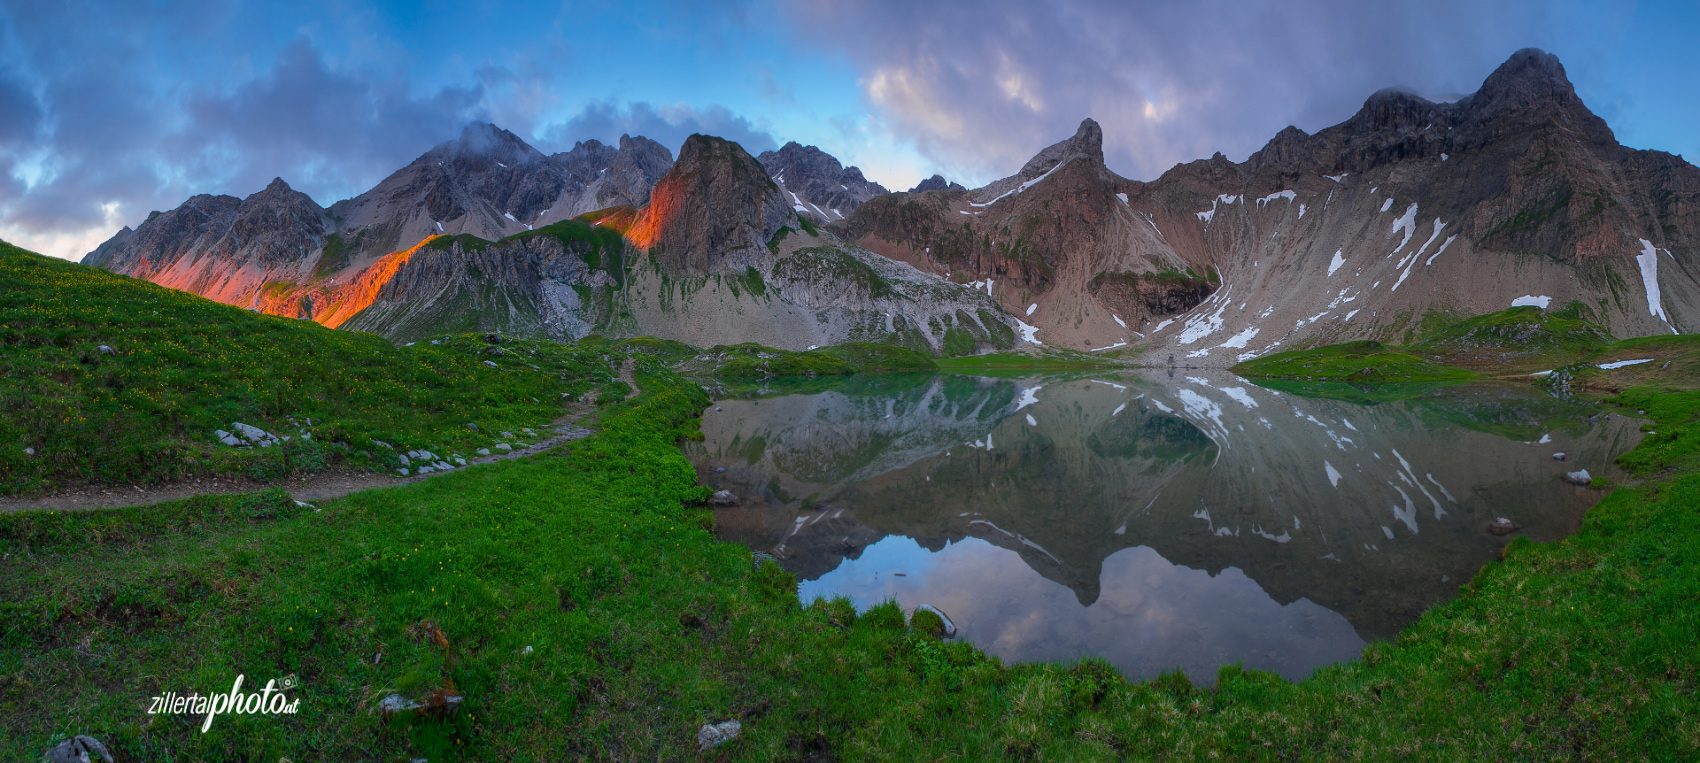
(714, 211)
(480, 139)
(1289, 150)
(936, 183)
(1530, 90)
(1087, 143)
(819, 180)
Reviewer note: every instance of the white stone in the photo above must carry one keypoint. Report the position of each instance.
(712, 735)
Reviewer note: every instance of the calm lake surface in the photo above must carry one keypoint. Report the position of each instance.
(1158, 521)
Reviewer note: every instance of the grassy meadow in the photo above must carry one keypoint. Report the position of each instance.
(579, 602)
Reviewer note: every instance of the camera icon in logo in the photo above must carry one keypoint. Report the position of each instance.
(288, 682)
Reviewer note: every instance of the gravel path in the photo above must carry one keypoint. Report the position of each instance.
(323, 486)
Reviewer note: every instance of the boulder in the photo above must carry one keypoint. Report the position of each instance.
(77, 749)
(402, 472)
(504, 447)
(723, 498)
(483, 451)
(395, 703)
(948, 627)
(713, 735)
(405, 460)
(106, 350)
(29, 451)
(490, 363)
(1579, 477)
(1502, 526)
(1558, 456)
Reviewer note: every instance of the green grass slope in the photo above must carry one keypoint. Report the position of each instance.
(1366, 362)
(1519, 339)
(184, 366)
(579, 604)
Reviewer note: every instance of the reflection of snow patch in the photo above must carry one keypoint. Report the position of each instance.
(1030, 421)
(1333, 474)
(1113, 384)
(1622, 363)
(1240, 396)
(1027, 397)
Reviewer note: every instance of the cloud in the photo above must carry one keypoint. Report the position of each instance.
(107, 140)
(979, 87)
(324, 131)
(668, 125)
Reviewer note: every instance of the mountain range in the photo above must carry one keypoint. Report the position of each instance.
(1408, 215)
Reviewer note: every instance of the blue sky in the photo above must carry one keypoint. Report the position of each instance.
(111, 110)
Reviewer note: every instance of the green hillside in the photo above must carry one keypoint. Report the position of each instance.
(182, 367)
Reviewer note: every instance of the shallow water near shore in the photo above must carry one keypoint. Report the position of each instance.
(1159, 521)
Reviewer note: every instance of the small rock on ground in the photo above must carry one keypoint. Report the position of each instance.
(712, 735)
(1579, 477)
(1502, 526)
(1558, 456)
(949, 627)
(723, 498)
(77, 750)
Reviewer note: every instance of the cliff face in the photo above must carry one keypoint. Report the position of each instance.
(1409, 209)
(714, 212)
(222, 247)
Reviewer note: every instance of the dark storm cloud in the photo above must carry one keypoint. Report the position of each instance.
(20, 114)
(94, 133)
(317, 128)
(980, 86)
(668, 125)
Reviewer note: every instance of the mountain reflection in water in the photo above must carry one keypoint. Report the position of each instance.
(1158, 522)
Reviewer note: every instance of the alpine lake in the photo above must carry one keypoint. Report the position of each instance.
(1162, 520)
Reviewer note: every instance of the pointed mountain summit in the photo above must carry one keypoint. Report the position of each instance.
(815, 183)
(1410, 208)
(936, 183)
(714, 211)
